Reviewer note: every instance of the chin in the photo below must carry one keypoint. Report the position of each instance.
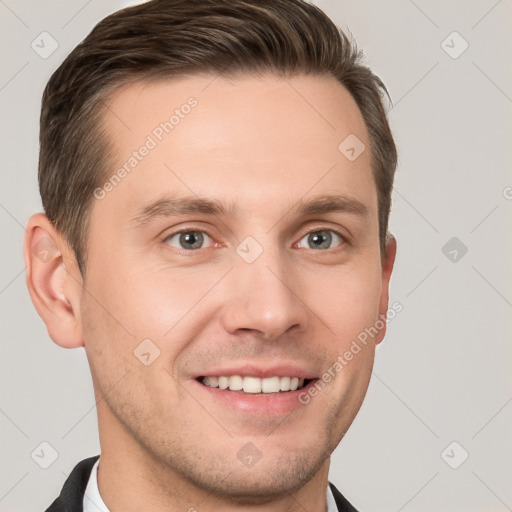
(264, 482)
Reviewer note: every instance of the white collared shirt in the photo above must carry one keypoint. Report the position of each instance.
(94, 503)
(92, 498)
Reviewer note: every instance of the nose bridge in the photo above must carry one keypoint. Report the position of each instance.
(262, 295)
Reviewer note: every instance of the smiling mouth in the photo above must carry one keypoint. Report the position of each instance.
(255, 385)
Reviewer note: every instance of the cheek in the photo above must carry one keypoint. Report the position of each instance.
(115, 320)
(108, 346)
(140, 302)
(354, 312)
(161, 303)
(350, 301)
(116, 343)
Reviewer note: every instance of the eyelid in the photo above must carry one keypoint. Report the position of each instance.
(324, 228)
(173, 230)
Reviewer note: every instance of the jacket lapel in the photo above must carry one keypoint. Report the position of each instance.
(71, 497)
(341, 502)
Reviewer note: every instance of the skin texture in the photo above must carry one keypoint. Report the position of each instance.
(254, 141)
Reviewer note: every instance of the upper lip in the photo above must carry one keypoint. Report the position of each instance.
(253, 370)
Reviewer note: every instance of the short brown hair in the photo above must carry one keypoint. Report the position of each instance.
(170, 38)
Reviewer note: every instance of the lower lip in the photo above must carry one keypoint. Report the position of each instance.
(272, 404)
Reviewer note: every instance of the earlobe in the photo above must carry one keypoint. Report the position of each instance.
(54, 293)
(387, 268)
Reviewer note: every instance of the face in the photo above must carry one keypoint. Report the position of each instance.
(239, 249)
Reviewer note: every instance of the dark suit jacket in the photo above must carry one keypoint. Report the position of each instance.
(72, 495)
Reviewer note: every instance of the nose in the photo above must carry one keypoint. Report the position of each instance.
(264, 297)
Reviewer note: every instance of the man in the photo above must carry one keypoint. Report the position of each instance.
(216, 178)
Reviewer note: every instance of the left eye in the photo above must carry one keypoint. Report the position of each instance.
(321, 239)
(189, 240)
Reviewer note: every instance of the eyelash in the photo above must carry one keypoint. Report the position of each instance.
(343, 238)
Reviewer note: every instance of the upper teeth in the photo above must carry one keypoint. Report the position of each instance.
(254, 384)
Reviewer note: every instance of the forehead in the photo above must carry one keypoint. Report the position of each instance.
(261, 140)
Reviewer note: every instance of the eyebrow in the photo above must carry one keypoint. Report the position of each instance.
(171, 206)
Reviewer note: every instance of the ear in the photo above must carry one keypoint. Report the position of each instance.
(387, 267)
(54, 281)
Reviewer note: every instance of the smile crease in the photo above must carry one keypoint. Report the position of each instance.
(254, 384)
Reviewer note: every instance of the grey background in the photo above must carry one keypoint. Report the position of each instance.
(442, 374)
